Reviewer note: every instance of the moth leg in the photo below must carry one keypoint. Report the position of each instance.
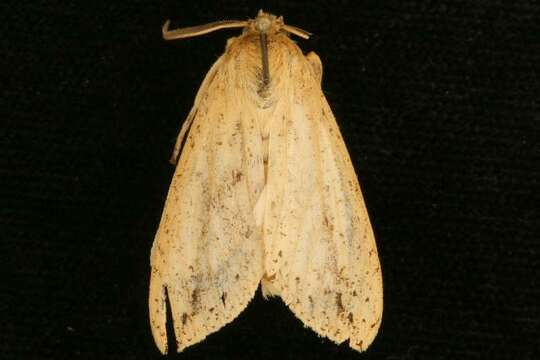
(191, 117)
(179, 140)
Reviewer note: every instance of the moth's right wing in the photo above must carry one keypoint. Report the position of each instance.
(320, 252)
(207, 254)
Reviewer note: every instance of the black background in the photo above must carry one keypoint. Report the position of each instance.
(438, 102)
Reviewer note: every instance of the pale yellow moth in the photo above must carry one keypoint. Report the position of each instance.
(264, 193)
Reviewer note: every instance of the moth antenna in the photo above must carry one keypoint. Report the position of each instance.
(297, 31)
(192, 31)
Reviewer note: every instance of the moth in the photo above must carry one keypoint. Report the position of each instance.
(264, 193)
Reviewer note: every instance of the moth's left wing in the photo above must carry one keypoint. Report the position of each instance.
(207, 254)
(320, 252)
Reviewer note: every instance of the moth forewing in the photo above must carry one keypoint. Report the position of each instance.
(264, 193)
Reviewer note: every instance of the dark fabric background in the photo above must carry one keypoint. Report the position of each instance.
(439, 105)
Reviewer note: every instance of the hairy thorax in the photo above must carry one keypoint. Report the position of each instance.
(266, 102)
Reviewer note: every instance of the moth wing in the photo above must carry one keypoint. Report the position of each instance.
(207, 254)
(320, 251)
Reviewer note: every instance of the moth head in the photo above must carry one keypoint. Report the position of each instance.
(264, 23)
